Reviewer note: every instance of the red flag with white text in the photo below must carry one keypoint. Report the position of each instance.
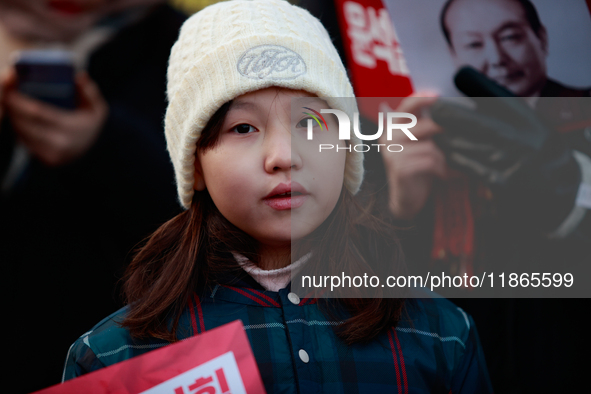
(219, 361)
(374, 55)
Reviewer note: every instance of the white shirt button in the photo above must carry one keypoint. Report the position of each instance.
(304, 356)
(293, 297)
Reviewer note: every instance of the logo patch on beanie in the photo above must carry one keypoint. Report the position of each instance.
(271, 61)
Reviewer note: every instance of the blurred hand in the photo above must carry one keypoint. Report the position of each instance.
(410, 173)
(53, 135)
(503, 142)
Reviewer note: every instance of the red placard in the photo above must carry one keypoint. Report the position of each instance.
(219, 361)
(374, 56)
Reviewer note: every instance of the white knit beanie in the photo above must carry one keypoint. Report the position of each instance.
(234, 47)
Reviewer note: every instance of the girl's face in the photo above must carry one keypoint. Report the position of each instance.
(263, 174)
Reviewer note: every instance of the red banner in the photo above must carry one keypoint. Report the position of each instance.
(219, 361)
(374, 56)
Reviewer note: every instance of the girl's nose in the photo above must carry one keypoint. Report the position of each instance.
(278, 152)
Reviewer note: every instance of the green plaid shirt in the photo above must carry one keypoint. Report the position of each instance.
(434, 349)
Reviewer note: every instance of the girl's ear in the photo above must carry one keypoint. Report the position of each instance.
(199, 183)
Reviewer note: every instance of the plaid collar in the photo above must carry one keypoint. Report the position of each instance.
(243, 292)
(239, 287)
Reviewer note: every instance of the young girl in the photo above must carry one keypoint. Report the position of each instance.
(253, 185)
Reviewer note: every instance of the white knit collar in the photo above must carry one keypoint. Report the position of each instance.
(273, 280)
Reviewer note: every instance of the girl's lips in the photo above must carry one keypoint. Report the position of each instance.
(286, 196)
(282, 188)
(287, 202)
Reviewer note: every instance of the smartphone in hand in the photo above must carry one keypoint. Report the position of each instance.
(47, 75)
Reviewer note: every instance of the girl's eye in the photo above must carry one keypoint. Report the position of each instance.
(244, 129)
(304, 122)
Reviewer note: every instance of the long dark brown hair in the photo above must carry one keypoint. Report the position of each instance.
(192, 251)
